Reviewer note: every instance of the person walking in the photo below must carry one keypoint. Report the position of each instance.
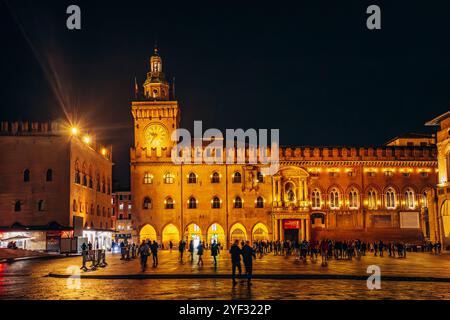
(248, 254)
(181, 248)
(235, 253)
(144, 252)
(154, 249)
(215, 252)
(200, 249)
(170, 246)
(191, 250)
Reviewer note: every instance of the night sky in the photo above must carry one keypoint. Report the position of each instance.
(310, 68)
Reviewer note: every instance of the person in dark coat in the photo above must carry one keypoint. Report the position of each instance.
(215, 251)
(248, 254)
(235, 253)
(181, 248)
(154, 250)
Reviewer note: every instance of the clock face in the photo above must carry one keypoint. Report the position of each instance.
(156, 135)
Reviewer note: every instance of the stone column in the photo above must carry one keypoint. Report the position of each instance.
(308, 229)
(302, 228)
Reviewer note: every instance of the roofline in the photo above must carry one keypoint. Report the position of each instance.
(436, 121)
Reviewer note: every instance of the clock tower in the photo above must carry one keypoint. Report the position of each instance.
(155, 115)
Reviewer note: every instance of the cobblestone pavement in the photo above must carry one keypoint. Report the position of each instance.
(28, 280)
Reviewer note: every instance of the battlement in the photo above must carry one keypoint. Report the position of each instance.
(30, 128)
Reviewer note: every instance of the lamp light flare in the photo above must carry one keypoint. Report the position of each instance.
(74, 131)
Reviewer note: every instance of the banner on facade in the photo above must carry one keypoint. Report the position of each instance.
(409, 220)
(291, 224)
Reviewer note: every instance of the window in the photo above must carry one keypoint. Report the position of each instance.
(351, 173)
(406, 174)
(334, 199)
(49, 175)
(98, 210)
(121, 206)
(103, 212)
(92, 209)
(353, 199)
(192, 178)
(103, 185)
(169, 203)
(17, 206)
(74, 205)
(316, 202)
(424, 174)
(215, 178)
(238, 202)
(391, 201)
(90, 181)
(98, 182)
(260, 177)
(148, 178)
(372, 199)
(259, 202)
(77, 173)
(237, 178)
(192, 203)
(215, 203)
(424, 200)
(410, 202)
(169, 178)
(333, 174)
(388, 173)
(371, 174)
(26, 176)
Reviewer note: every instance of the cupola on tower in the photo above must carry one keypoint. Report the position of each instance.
(155, 86)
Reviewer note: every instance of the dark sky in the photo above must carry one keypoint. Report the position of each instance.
(310, 68)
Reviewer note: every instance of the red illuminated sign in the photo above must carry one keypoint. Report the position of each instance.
(291, 224)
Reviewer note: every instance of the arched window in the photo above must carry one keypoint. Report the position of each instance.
(391, 201)
(98, 182)
(260, 177)
(108, 186)
(169, 203)
(237, 178)
(215, 203)
(372, 199)
(103, 185)
(259, 202)
(98, 210)
(49, 175)
(147, 203)
(18, 206)
(77, 173)
(148, 178)
(74, 205)
(334, 199)
(92, 209)
(215, 178)
(353, 199)
(238, 203)
(90, 181)
(26, 175)
(192, 203)
(169, 178)
(410, 201)
(424, 200)
(192, 178)
(103, 212)
(316, 202)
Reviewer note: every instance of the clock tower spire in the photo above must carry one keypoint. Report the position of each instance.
(155, 86)
(155, 116)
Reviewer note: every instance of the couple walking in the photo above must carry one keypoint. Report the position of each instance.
(248, 254)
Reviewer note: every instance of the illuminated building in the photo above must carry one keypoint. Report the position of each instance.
(370, 193)
(122, 212)
(54, 182)
(443, 187)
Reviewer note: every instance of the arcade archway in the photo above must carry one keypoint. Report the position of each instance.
(147, 233)
(170, 233)
(260, 232)
(216, 233)
(193, 233)
(238, 232)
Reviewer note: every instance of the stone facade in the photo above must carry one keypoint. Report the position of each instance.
(341, 192)
(53, 178)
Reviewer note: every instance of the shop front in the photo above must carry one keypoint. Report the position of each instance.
(291, 227)
(100, 239)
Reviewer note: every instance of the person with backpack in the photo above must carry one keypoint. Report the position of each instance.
(144, 252)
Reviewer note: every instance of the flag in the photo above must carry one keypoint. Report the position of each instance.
(136, 88)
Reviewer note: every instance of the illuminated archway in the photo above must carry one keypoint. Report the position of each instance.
(260, 232)
(445, 215)
(170, 233)
(216, 232)
(238, 232)
(147, 233)
(193, 233)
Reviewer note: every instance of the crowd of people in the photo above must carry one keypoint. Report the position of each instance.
(301, 250)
